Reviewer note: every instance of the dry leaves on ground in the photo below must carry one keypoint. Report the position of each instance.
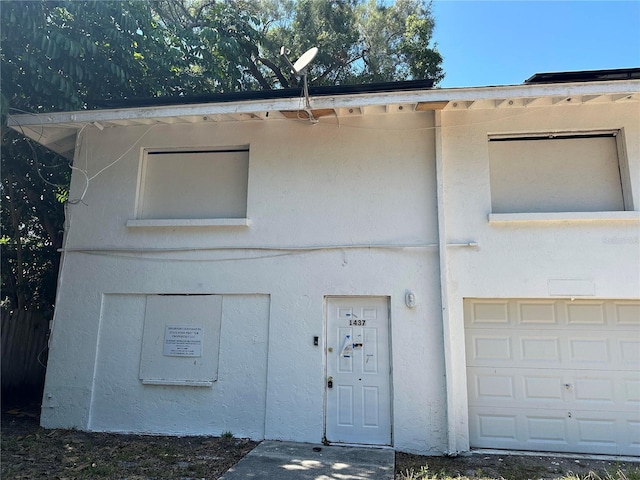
(30, 452)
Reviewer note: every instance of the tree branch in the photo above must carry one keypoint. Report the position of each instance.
(15, 223)
(200, 10)
(43, 216)
(258, 76)
(276, 70)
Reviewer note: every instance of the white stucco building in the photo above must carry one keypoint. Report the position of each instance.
(430, 269)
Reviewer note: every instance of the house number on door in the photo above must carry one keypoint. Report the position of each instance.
(357, 323)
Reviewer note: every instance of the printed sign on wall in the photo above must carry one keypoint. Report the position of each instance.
(183, 341)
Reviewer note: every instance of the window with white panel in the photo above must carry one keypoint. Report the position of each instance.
(559, 172)
(194, 184)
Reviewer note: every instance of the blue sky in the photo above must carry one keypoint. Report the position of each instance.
(505, 42)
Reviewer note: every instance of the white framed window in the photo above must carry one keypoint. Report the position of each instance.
(190, 187)
(559, 172)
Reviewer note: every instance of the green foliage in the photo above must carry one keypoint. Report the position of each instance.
(31, 223)
(63, 55)
(235, 45)
(364, 41)
(422, 62)
(71, 55)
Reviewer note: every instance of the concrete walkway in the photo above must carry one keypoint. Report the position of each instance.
(300, 461)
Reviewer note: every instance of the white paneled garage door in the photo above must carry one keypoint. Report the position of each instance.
(554, 375)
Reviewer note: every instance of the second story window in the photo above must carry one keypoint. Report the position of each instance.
(570, 172)
(194, 184)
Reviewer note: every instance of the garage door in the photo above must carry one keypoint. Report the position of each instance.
(554, 375)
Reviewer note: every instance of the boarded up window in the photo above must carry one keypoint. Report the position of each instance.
(570, 173)
(194, 184)
(181, 340)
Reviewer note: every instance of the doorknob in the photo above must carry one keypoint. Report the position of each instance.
(330, 382)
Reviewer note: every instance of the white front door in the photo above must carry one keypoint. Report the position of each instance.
(358, 400)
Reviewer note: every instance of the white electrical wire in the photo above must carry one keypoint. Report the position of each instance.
(78, 148)
(271, 248)
(78, 151)
(85, 171)
(33, 150)
(260, 248)
(151, 253)
(125, 153)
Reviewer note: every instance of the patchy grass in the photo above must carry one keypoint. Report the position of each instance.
(512, 467)
(29, 452)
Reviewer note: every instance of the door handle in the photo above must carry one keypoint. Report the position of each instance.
(330, 382)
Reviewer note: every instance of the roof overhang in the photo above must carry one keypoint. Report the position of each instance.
(57, 130)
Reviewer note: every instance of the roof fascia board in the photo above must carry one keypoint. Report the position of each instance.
(72, 119)
(543, 90)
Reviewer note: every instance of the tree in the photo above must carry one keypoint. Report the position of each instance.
(69, 55)
(359, 41)
(31, 224)
(61, 55)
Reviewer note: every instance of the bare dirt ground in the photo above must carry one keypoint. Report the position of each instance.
(30, 452)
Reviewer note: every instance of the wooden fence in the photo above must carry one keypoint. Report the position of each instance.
(24, 338)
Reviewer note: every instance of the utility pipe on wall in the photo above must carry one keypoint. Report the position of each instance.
(444, 293)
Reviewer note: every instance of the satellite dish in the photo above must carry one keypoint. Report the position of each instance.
(300, 68)
(304, 60)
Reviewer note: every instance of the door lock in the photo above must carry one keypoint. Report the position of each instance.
(330, 382)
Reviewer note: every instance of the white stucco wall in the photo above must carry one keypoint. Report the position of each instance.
(368, 180)
(525, 259)
(120, 402)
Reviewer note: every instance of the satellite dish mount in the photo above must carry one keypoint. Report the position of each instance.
(299, 68)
